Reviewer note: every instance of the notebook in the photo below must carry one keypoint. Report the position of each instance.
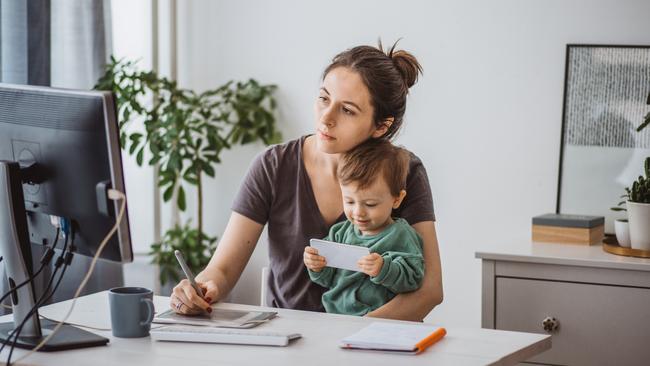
(394, 337)
(218, 318)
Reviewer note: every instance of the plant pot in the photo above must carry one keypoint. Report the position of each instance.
(638, 215)
(622, 230)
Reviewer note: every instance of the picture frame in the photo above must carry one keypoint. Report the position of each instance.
(606, 90)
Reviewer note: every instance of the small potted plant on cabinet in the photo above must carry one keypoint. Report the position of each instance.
(621, 225)
(638, 210)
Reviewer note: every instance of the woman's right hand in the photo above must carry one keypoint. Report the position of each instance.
(185, 300)
(313, 261)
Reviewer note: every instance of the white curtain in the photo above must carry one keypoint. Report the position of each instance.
(81, 42)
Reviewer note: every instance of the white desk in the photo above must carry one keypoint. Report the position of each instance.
(319, 345)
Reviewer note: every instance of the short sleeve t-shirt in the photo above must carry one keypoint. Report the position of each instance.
(277, 191)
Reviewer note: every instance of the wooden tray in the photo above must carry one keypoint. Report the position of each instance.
(610, 245)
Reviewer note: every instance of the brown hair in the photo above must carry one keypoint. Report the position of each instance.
(372, 159)
(388, 77)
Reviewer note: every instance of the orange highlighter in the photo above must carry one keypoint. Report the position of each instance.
(432, 338)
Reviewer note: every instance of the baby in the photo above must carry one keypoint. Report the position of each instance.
(372, 178)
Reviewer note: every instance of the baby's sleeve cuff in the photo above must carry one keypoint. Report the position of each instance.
(385, 269)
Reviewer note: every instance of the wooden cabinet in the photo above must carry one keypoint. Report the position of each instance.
(595, 305)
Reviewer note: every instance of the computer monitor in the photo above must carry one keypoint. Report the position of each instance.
(59, 155)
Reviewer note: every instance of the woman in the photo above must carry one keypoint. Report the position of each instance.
(293, 188)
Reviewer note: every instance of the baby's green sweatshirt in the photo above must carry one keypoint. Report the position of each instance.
(356, 293)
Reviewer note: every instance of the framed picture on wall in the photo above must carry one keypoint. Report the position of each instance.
(606, 91)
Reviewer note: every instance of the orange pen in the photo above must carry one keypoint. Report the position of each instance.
(430, 339)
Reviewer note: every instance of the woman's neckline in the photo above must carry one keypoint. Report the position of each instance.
(312, 195)
(313, 152)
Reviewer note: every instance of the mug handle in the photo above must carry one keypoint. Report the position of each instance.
(150, 312)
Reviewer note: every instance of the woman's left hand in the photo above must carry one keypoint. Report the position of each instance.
(371, 264)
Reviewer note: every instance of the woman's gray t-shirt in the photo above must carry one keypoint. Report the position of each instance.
(277, 191)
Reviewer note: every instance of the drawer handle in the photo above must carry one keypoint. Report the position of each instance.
(550, 324)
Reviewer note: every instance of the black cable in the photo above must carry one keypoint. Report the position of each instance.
(45, 260)
(16, 334)
(18, 329)
(37, 303)
(44, 297)
(58, 282)
(64, 259)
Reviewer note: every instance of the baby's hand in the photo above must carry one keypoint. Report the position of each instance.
(371, 264)
(313, 261)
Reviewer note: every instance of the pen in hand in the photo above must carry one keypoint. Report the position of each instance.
(188, 273)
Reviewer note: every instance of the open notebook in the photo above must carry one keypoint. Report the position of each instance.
(394, 337)
(218, 318)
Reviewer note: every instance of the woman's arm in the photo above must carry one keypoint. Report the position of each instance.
(226, 266)
(417, 304)
(233, 252)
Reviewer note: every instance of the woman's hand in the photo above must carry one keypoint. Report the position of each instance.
(313, 261)
(185, 300)
(371, 264)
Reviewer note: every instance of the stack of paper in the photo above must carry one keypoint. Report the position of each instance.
(395, 337)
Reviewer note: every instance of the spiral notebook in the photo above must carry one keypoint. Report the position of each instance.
(225, 318)
(394, 337)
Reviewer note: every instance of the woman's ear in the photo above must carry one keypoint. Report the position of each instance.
(381, 130)
(399, 199)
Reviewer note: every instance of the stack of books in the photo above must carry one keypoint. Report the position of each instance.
(563, 228)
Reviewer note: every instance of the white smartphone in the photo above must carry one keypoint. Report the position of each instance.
(344, 256)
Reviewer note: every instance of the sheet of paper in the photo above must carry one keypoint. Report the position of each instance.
(339, 255)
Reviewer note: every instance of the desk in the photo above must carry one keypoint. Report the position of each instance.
(319, 345)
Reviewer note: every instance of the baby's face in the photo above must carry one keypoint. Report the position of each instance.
(369, 209)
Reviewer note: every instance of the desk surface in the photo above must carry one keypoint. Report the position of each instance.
(579, 255)
(319, 345)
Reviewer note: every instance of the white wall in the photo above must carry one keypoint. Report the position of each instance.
(485, 118)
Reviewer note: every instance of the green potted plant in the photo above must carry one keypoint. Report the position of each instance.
(183, 133)
(637, 200)
(621, 226)
(638, 210)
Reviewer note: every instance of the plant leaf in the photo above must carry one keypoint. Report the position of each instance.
(180, 200)
(140, 156)
(167, 195)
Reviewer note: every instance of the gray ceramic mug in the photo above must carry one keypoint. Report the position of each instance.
(132, 311)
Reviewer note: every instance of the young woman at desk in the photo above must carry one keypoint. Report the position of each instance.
(293, 188)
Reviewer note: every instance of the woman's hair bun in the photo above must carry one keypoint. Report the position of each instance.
(407, 65)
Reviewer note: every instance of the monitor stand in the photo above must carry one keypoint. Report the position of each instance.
(15, 248)
(67, 337)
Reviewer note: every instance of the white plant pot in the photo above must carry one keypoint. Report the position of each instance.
(622, 230)
(638, 215)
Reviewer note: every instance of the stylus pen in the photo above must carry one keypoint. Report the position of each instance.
(188, 272)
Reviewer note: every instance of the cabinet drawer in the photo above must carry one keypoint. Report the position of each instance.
(598, 324)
